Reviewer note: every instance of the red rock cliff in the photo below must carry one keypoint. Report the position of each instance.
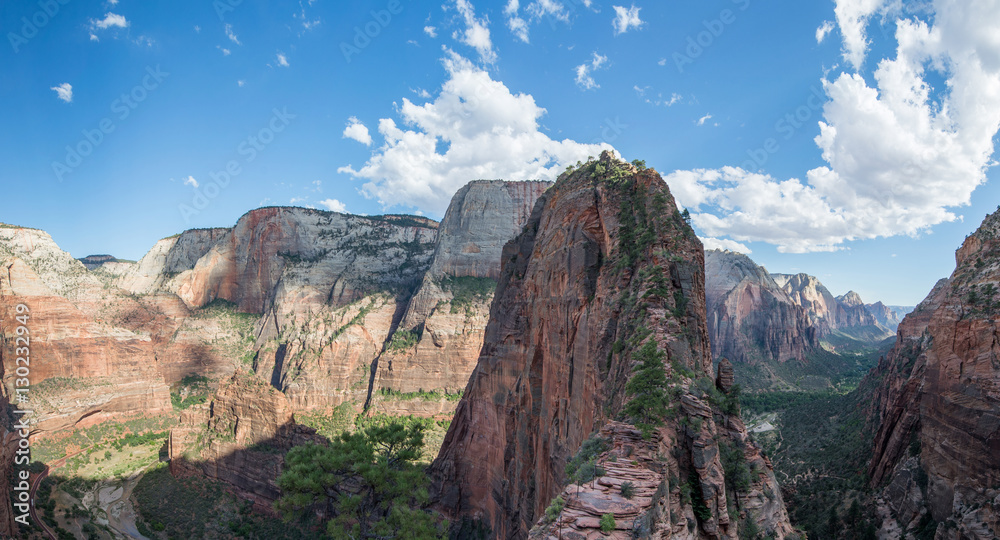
(937, 449)
(605, 265)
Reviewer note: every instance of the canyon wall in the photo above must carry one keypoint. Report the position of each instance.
(936, 454)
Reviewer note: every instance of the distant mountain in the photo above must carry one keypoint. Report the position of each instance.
(834, 317)
(750, 317)
(888, 316)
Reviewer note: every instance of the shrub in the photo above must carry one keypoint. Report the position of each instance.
(627, 489)
(554, 509)
(608, 522)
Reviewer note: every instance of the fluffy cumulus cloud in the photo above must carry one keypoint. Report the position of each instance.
(64, 92)
(852, 18)
(475, 128)
(716, 243)
(334, 205)
(900, 155)
(823, 30)
(626, 18)
(190, 181)
(282, 60)
(357, 131)
(476, 33)
(584, 79)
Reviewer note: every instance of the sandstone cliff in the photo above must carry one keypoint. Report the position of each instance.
(604, 286)
(751, 318)
(937, 450)
(438, 340)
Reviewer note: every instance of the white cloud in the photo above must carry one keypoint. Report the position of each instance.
(534, 12)
(583, 78)
(357, 131)
(701, 121)
(823, 30)
(225, 52)
(430, 31)
(298, 200)
(334, 205)
(112, 2)
(190, 181)
(475, 128)
(93, 37)
(109, 20)
(724, 243)
(64, 92)
(476, 34)
(661, 62)
(900, 156)
(197, 29)
(852, 18)
(232, 35)
(626, 18)
(282, 60)
(240, 83)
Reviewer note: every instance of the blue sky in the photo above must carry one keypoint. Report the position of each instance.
(113, 112)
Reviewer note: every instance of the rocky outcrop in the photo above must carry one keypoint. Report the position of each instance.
(90, 262)
(446, 317)
(239, 438)
(751, 318)
(158, 268)
(937, 450)
(605, 284)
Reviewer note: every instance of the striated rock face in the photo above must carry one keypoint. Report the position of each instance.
(937, 449)
(846, 313)
(449, 311)
(319, 258)
(239, 438)
(158, 268)
(605, 266)
(751, 318)
(82, 366)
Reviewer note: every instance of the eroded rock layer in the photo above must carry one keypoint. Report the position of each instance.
(937, 450)
(605, 283)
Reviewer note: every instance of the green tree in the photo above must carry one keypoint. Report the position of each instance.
(647, 389)
(366, 483)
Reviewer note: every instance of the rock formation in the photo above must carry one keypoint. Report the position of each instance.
(448, 313)
(846, 314)
(604, 286)
(937, 450)
(751, 318)
(888, 316)
(240, 438)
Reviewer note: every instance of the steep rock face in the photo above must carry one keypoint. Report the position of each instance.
(82, 366)
(158, 268)
(938, 445)
(448, 313)
(319, 258)
(91, 262)
(846, 313)
(751, 318)
(605, 265)
(239, 438)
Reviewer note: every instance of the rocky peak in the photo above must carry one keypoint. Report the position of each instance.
(606, 283)
(850, 299)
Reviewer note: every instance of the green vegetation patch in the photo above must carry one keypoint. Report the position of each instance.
(468, 291)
